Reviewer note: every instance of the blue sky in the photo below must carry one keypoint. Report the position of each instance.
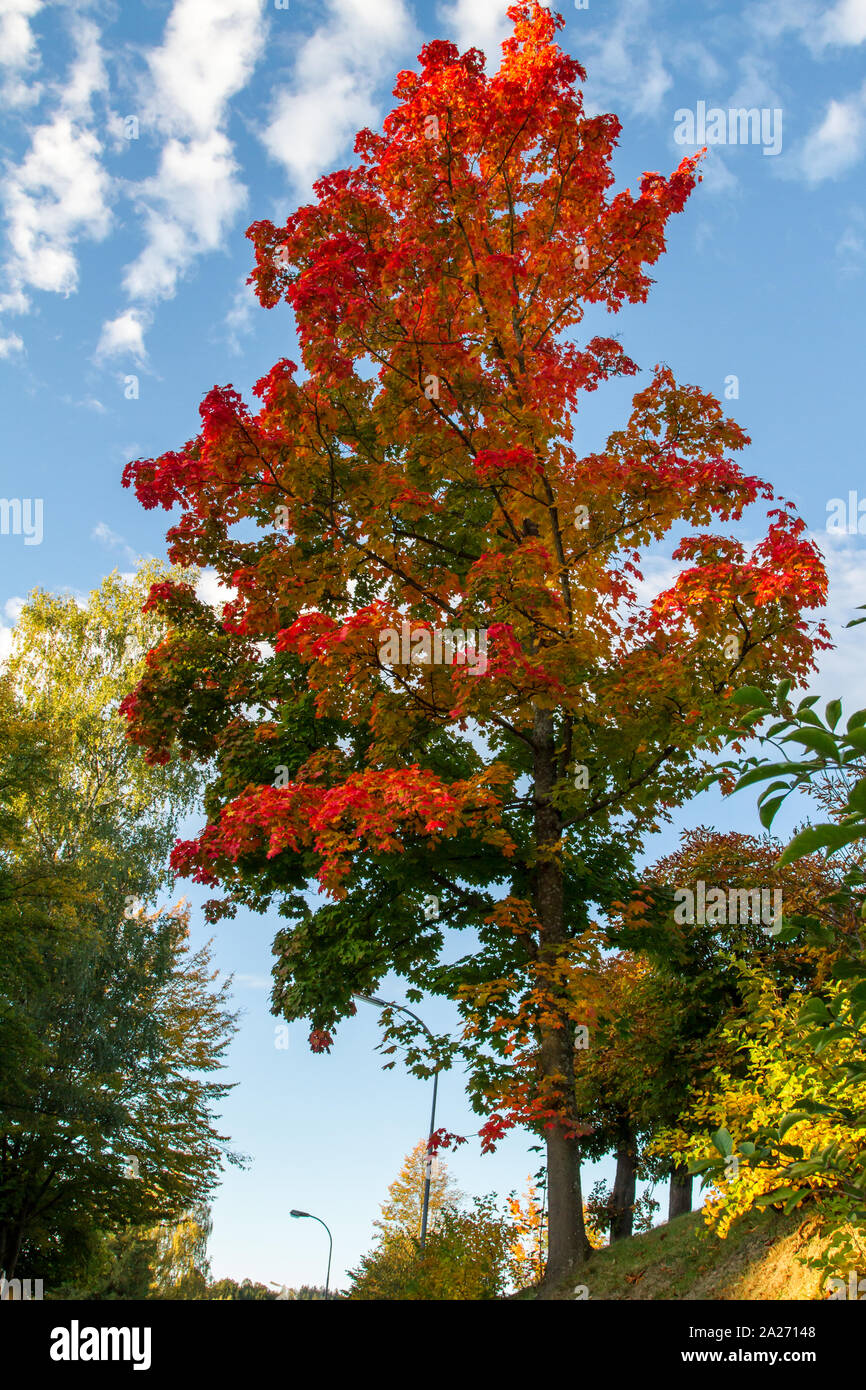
(141, 139)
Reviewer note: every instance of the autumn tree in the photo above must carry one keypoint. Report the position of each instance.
(470, 1254)
(801, 1136)
(401, 1212)
(672, 999)
(439, 678)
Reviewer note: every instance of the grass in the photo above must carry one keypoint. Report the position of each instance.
(760, 1259)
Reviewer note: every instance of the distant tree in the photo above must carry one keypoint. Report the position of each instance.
(401, 1212)
(109, 1021)
(470, 1254)
(164, 1261)
(182, 1266)
(246, 1291)
(308, 1293)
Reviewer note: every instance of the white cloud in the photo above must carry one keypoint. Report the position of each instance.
(834, 146)
(208, 53)
(845, 24)
(252, 981)
(18, 55)
(624, 62)
(841, 670)
(774, 18)
(10, 344)
(757, 83)
(103, 533)
(11, 610)
(238, 321)
(717, 178)
(188, 206)
(59, 192)
(211, 590)
(332, 95)
(125, 334)
(476, 24)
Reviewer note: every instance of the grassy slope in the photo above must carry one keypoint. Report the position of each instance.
(683, 1260)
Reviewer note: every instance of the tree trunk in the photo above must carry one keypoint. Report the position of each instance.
(680, 1192)
(624, 1192)
(11, 1240)
(567, 1243)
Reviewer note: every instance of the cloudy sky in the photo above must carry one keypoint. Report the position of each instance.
(140, 139)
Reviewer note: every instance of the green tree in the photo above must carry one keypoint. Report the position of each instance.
(470, 1254)
(109, 1021)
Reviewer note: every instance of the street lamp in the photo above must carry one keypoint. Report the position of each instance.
(311, 1217)
(401, 1008)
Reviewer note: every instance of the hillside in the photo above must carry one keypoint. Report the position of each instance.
(682, 1260)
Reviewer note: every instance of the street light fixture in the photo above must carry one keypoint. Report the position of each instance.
(311, 1217)
(401, 1008)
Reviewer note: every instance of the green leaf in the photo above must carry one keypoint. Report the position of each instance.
(781, 1194)
(765, 770)
(751, 696)
(788, 1121)
(795, 1199)
(702, 1165)
(815, 837)
(833, 713)
(723, 1142)
(783, 689)
(778, 785)
(768, 811)
(816, 740)
(814, 1011)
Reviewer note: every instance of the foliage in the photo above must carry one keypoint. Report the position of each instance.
(654, 1024)
(423, 472)
(167, 1261)
(600, 1213)
(831, 1021)
(109, 1021)
(786, 1122)
(530, 1248)
(245, 1291)
(469, 1255)
(401, 1212)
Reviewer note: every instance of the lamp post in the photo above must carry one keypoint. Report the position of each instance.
(311, 1217)
(401, 1008)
